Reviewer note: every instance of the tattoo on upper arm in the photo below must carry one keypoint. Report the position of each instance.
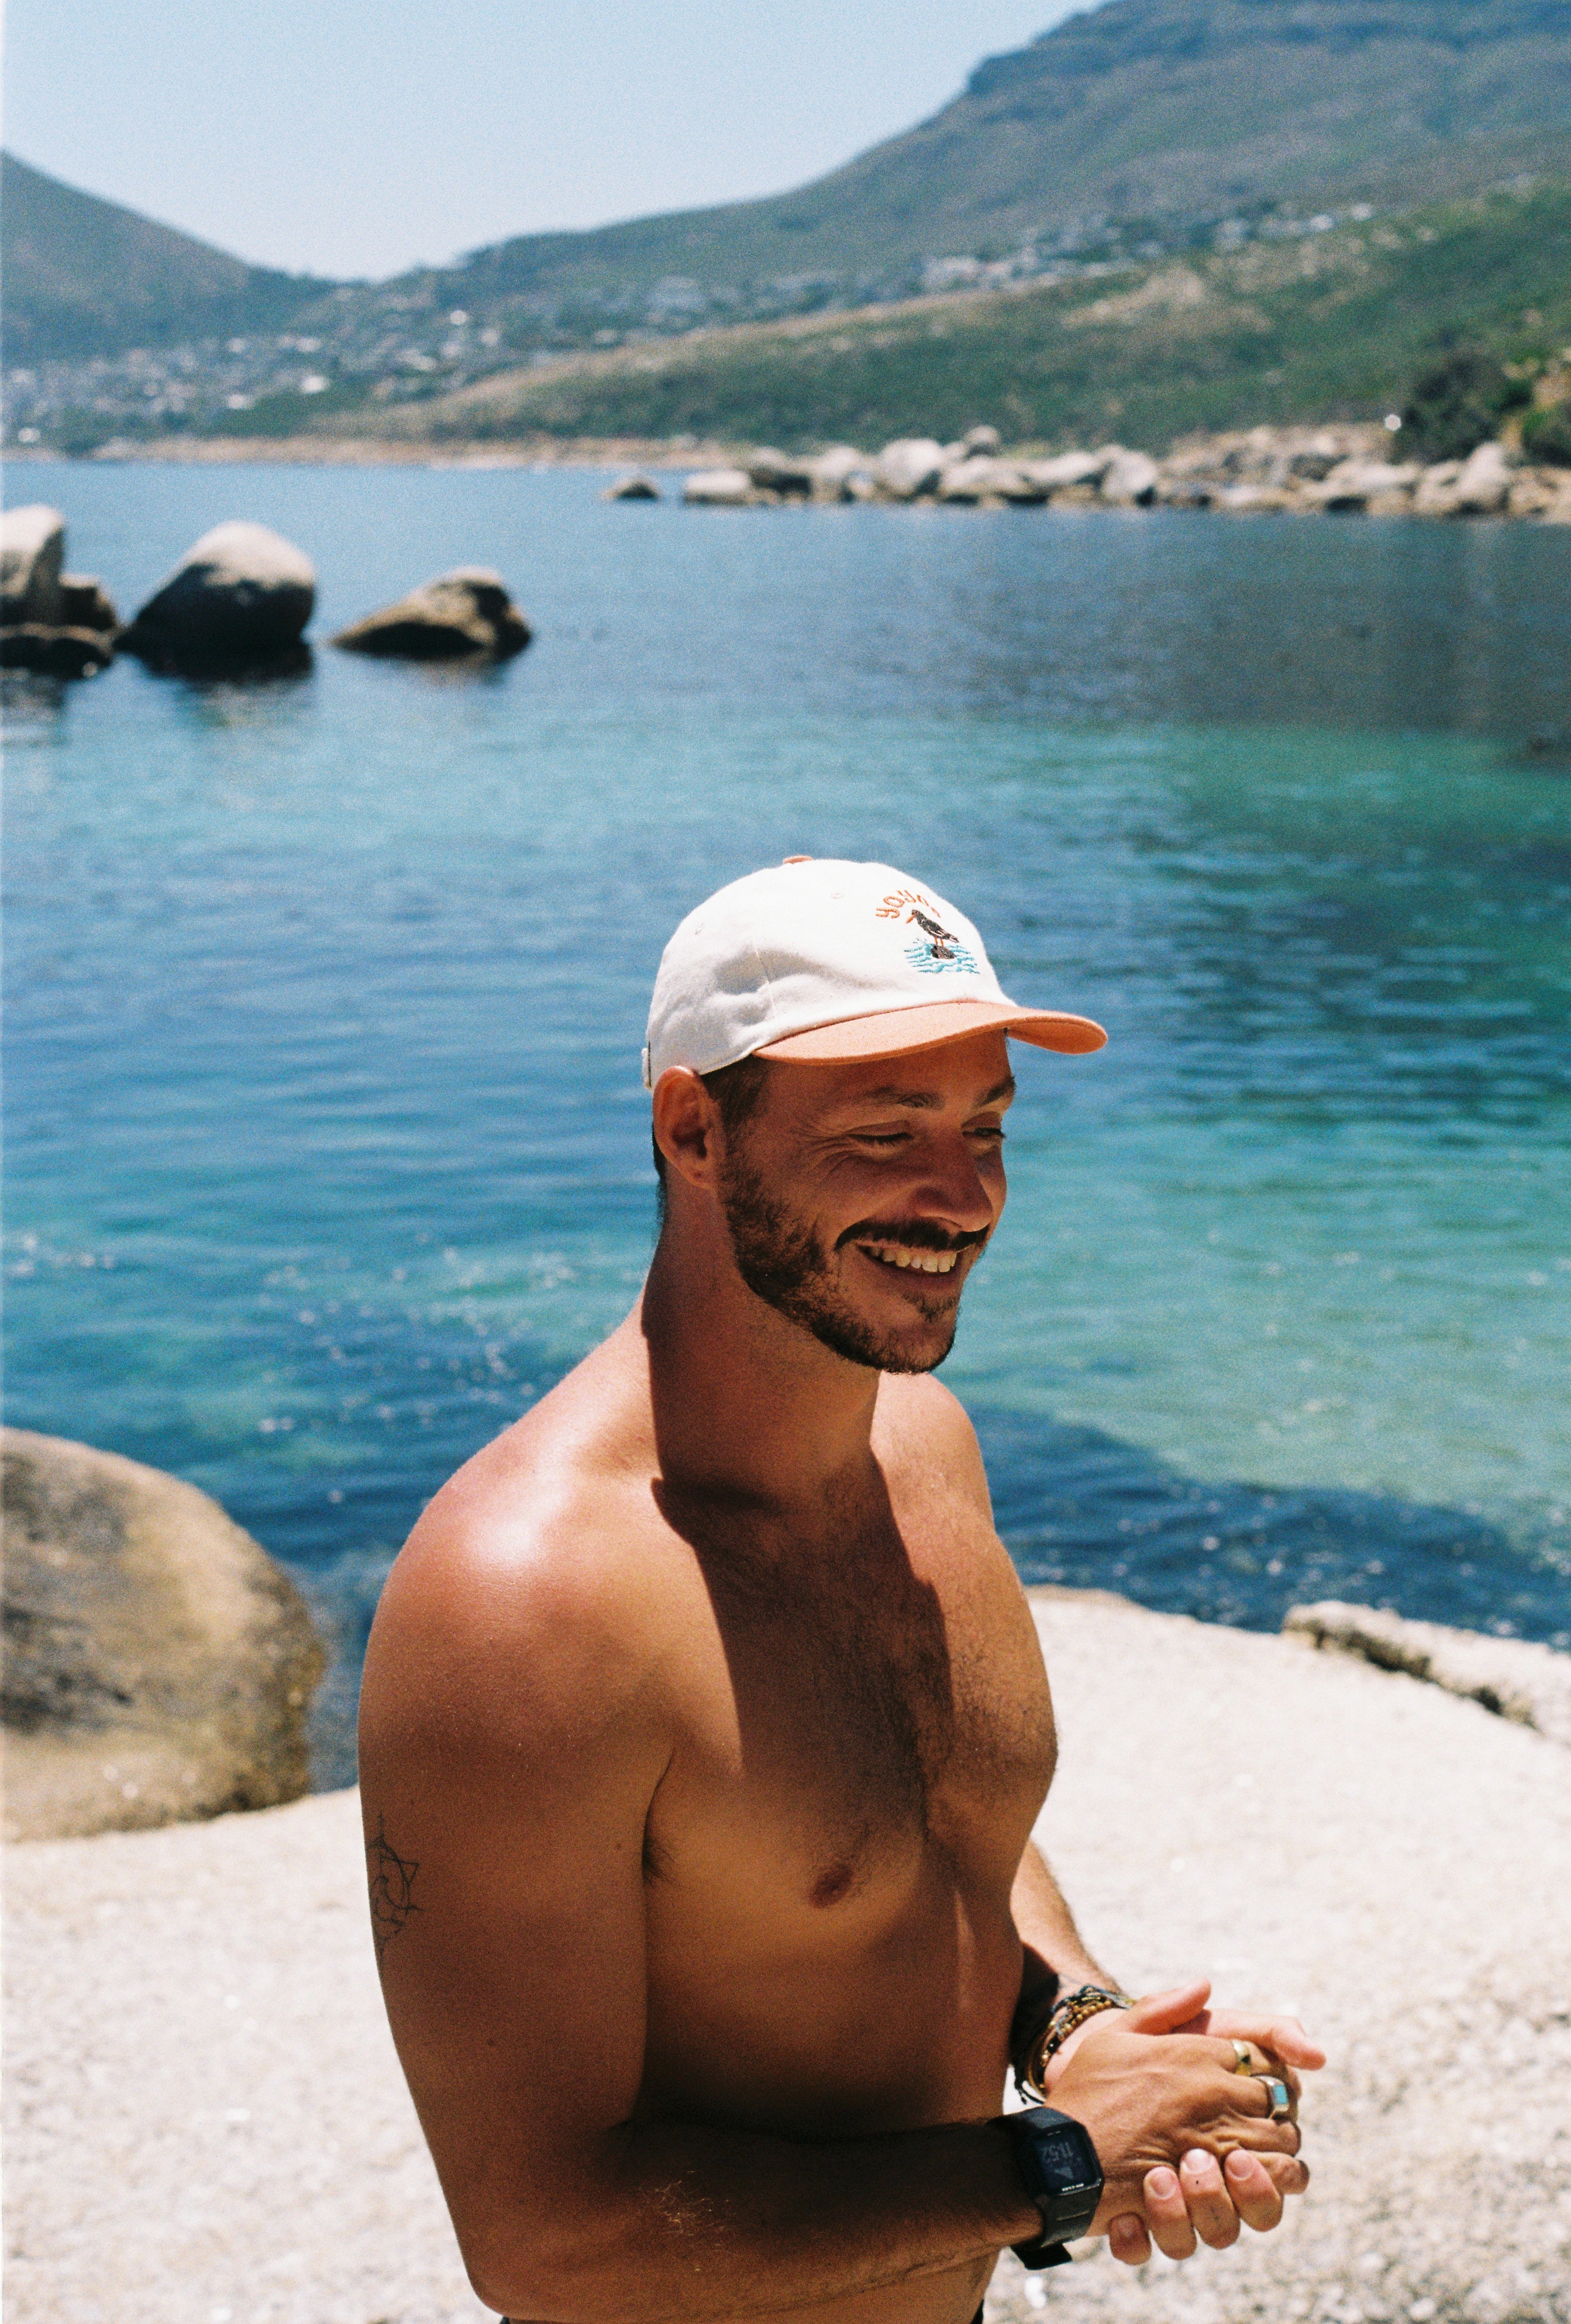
(392, 1880)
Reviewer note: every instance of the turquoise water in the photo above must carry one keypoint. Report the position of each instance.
(328, 1150)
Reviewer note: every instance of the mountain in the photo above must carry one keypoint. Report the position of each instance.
(1164, 115)
(85, 277)
(1178, 211)
(1139, 123)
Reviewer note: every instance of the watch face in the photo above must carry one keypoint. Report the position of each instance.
(1065, 2156)
(1061, 2150)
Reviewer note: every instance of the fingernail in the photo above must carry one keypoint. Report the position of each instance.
(1196, 2160)
(1238, 2165)
(1162, 2181)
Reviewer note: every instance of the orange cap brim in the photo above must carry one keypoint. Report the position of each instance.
(856, 1041)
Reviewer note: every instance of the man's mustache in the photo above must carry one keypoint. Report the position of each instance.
(915, 1234)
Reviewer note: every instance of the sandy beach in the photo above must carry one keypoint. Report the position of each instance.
(207, 2122)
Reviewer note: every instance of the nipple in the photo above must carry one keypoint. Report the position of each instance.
(832, 1884)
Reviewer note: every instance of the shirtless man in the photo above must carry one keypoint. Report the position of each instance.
(705, 1723)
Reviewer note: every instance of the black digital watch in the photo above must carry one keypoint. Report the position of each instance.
(1063, 2176)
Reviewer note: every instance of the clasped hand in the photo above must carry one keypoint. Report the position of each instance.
(1185, 2139)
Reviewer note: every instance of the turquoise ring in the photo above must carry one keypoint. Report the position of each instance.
(1280, 2097)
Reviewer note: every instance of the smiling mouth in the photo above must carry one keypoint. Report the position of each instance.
(922, 1262)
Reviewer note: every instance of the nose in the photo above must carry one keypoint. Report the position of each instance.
(951, 1188)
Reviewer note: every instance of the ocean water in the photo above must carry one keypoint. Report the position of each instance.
(326, 1147)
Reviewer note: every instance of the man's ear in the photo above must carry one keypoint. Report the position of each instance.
(686, 1126)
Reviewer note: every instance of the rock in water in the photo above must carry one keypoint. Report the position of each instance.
(238, 599)
(85, 605)
(53, 622)
(158, 1666)
(773, 471)
(63, 653)
(633, 488)
(839, 472)
(1354, 486)
(465, 614)
(1484, 484)
(33, 547)
(908, 467)
(1130, 479)
(1066, 472)
(719, 488)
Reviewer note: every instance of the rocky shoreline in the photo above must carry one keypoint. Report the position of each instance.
(1338, 469)
(230, 2137)
(1333, 471)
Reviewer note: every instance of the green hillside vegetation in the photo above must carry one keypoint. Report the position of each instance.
(1157, 113)
(1333, 326)
(84, 277)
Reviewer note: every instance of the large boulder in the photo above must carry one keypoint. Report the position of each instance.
(60, 623)
(776, 472)
(467, 615)
(990, 483)
(719, 488)
(1066, 471)
(32, 547)
(964, 483)
(909, 467)
(1354, 486)
(158, 1666)
(841, 473)
(239, 598)
(633, 488)
(981, 443)
(1130, 479)
(1484, 483)
(1437, 492)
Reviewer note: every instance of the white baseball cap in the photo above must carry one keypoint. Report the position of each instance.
(822, 962)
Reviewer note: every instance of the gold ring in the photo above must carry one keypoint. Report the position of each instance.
(1243, 2057)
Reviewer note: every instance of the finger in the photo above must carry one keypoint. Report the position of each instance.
(1253, 2195)
(1251, 2120)
(1288, 2174)
(1127, 2240)
(1289, 2125)
(1284, 2037)
(1167, 2214)
(1205, 2194)
(1239, 2055)
(1164, 2012)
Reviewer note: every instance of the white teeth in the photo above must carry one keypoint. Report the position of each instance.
(926, 1262)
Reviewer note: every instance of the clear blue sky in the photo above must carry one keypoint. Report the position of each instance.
(359, 136)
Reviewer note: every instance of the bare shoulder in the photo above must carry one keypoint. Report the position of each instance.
(921, 1428)
(533, 1588)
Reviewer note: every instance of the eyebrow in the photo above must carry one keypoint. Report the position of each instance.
(929, 1101)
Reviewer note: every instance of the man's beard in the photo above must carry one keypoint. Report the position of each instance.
(779, 1261)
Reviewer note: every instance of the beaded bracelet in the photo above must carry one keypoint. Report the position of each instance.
(1070, 2012)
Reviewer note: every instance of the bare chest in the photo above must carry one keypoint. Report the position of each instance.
(851, 1717)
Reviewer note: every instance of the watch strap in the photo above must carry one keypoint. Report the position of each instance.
(1065, 2210)
(1040, 2253)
